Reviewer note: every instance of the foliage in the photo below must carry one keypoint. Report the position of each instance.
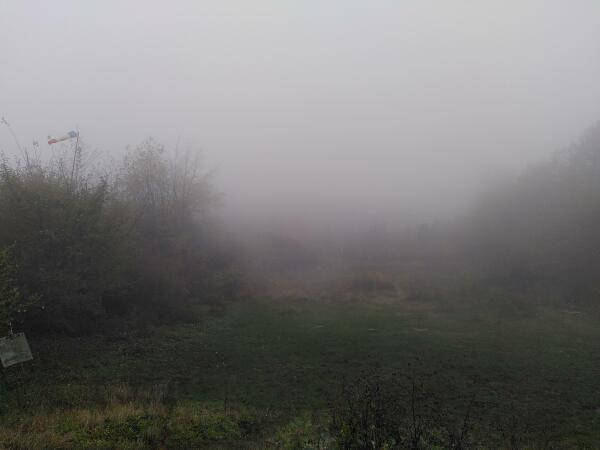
(86, 244)
(367, 415)
(539, 235)
(60, 241)
(394, 412)
(11, 300)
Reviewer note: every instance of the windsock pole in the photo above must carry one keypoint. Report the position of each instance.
(66, 137)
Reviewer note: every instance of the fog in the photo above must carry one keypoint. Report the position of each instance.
(311, 224)
(311, 112)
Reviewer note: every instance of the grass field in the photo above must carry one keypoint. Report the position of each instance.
(263, 374)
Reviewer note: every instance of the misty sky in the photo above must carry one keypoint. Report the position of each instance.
(353, 109)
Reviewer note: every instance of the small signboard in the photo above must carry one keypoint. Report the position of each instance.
(14, 349)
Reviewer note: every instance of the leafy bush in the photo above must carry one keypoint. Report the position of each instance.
(11, 300)
(132, 243)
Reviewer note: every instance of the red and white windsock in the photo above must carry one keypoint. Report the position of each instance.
(69, 135)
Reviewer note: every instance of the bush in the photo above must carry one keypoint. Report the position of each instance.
(367, 415)
(133, 243)
(396, 412)
(11, 300)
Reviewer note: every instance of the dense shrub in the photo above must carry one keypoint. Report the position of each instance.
(394, 412)
(132, 242)
(11, 300)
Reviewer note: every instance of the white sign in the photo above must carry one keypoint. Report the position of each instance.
(14, 349)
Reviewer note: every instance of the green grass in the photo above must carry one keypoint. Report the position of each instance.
(263, 374)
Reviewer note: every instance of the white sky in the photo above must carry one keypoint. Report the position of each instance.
(312, 109)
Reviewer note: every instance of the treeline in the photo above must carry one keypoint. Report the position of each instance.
(536, 236)
(83, 248)
(541, 233)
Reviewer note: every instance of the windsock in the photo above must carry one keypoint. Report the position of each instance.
(69, 135)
